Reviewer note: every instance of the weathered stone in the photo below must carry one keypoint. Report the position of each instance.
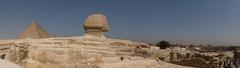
(95, 25)
(5, 64)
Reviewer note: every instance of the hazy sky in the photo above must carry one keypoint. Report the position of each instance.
(138, 20)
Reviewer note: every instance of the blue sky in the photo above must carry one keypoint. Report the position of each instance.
(138, 20)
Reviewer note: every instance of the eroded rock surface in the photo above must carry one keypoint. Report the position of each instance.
(80, 52)
(77, 52)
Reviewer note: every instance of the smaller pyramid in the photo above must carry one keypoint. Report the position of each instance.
(34, 31)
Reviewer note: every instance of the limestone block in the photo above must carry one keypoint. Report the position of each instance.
(140, 63)
(5, 64)
(62, 57)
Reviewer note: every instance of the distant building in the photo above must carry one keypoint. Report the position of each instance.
(237, 57)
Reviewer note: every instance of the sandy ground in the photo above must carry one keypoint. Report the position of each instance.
(5, 64)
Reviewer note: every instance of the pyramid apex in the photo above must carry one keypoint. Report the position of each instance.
(34, 22)
(34, 31)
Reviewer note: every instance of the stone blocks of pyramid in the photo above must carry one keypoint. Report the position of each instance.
(34, 31)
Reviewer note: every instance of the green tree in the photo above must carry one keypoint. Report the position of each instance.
(163, 44)
(191, 46)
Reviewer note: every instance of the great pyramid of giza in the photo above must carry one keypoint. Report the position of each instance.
(34, 31)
